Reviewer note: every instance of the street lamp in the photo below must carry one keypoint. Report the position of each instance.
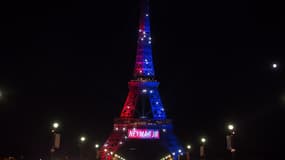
(203, 140)
(56, 139)
(231, 127)
(229, 139)
(55, 125)
(97, 150)
(202, 148)
(82, 139)
(188, 148)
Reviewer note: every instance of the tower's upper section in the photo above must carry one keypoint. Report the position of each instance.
(144, 65)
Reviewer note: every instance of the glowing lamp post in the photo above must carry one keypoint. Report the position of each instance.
(97, 150)
(188, 148)
(56, 139)
(229, 138)
(203, 141)
(82, 140)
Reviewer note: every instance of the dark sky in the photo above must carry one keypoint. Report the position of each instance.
(71, 60)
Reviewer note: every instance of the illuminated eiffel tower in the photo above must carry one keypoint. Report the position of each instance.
(134, 121)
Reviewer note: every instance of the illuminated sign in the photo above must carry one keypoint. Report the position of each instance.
(143, 134)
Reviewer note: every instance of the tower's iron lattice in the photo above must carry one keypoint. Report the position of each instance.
(143, 84)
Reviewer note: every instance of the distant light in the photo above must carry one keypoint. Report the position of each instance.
(146, 15)
(55, 125)
(82, 139)
(120, 142)
(203, 140)
(163, 130)
(151, 91)
(149, 42)
(173, 153)
(231, 127)
(188, 146)
(275, 65)
(179, 150)
(144, 90)
(1, 94)
(97, 146)
(124, 129)
(156, 103)
(105, 150)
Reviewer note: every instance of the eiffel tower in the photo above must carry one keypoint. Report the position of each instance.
(143, 116)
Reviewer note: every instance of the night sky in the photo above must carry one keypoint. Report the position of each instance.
(70, 61)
